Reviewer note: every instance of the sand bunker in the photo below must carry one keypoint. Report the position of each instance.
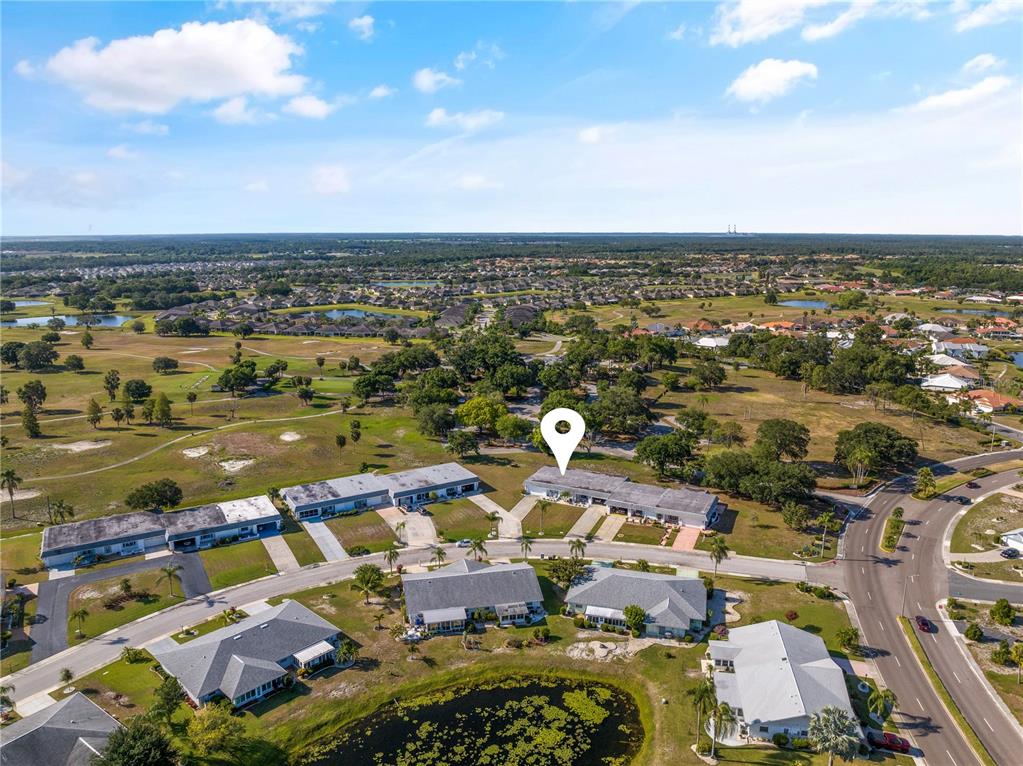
(82, 446)
(307, 342)
(290, 436)
(20, 494)
(601, 651)
(195, 451)
(194, 351)
(234, 466)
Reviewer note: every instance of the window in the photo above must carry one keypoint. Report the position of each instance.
(763, 730)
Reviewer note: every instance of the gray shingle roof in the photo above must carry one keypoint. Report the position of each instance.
(105, 529)
(470, 584)
(428, 476)
(670, 601)
(68, 733)
(577, 479)
(781, 672)
(241, 657)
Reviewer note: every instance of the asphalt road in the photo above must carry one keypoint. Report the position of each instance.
(49, 629)
(883, 586)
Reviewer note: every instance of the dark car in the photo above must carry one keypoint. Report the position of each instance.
(962, 499)
(1009, 553)
(922, 624)
(972, 485)
(888, 741)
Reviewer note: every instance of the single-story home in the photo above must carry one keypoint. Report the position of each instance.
(70, 733)
(129, 534)
(682, 507)
(1013, 539)
(945, 381)
(674, 605)
(351, 494)
(713, 341)
(249, 660)
(986, 400)
(446, 599)
(960, 348)
(775, 677)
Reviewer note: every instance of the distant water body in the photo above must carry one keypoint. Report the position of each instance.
(806, 304)
(95, 320)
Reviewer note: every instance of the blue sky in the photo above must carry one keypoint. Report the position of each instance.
(775, 115)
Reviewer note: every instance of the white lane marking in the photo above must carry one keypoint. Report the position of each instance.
(881, 624)
(934, 638)
(957, 677)
(918, 606)
(861, 549)
(951, 758)
(897, 660)
(912, 557)
(863, 571)
(919, 703)
(869, 596)
(987, 724)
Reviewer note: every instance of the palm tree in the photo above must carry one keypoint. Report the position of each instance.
(391, 556)
(379, 618)
(191, 397)
(79, 616)
(825, 520)
(718, 551)
(348, 651)
(526, 544)
(10, 481)
(723, 717)
(881, 701)
(6, 701)
(169, 574)
(477, 548)
(60, 512)
(703, 696)
(577, 548)
(494, 519)
(833, 731)
(439, 555)
(1017, 656)
(542, 506)
(368, 579)
(399, 528)
(66, 676)
(340, 441)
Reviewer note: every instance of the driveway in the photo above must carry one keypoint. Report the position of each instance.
(508, 525)
(49, 631)
(280, 553)
(587, 521)
(329, 545)
(611, 526)
(419, 531)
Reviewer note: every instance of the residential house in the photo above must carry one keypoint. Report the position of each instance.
(945, 381)
(985, 400)
(675, 606)
(960, 348)
(445, 600)
(775, 677)
(251, 659)
(71, 732)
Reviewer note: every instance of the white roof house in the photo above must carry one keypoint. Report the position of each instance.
(775, 676)
(713, 341)
(943, 360)
(945, 381)
(1014, 539)
(934, 330)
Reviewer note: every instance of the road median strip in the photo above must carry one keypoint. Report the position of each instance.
(939, 687)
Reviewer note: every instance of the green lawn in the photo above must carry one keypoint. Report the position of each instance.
(210, 625)
(302, 545)
(19, 558)
(458, 519)
(17, 654)
(557, 520)
(998, 570)
(232, 564)
(150, 596)
(979, 527)
(754, 529)
(366, 529)
(647, 534)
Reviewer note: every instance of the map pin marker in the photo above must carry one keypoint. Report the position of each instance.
(562, 445)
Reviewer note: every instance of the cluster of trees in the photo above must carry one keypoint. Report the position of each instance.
(32, 356)
(145, 292)
(184, 326)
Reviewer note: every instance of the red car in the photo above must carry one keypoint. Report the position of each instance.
(923, 624)
(888, 741)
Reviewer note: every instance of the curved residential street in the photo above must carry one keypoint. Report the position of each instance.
(880, 586)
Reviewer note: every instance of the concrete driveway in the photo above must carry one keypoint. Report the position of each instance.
(49, 631)
(419, 531)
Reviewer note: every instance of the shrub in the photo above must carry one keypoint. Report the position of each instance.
(513, 643)
(804, 587)
(974, 632)
(780, 739)
(358, 550)
(606, 627)
(799, 743)
(564, 609)
(791, 615)
(824, 592)
(579, 621)
(635, 633)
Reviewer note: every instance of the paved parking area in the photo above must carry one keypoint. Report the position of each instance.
(419, 530)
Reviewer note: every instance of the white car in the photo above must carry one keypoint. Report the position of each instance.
(464, 543)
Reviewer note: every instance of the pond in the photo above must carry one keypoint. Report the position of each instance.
(412, 283)
(339, 313)
(95, 320)
(976, 312)
(23, 304)
(521, 721)
(806, 304)
(1017, 358)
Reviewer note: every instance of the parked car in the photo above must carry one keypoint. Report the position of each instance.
(1009, 553)
(922, 624)
(888, 741)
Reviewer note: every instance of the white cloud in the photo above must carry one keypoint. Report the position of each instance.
(200, 62)
(308, 26)
(122, 152)
(960, 97)
(329, 180)
(988, 14)
(362, 26)
(982, 63)
(848, 17)
(487, 54)
(25, 69)
(146, 128)
(293, 10)
(258, 186)
(476, 182)
(428, 80)
(749, 21)
(310, 107)
(466, 121)
(236, 111)
(678, 33)
(594, 134)
(382, 91)
(769, 79)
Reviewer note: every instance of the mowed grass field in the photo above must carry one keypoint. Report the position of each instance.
(983, 522)
(149, 595)
(229, 565)
(553, 522)
(19, 558)
(365, 529)
(459, 519)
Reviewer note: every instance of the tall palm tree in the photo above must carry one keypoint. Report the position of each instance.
(526, 544)
(399, 529)
(10, 481)
(577, 548)
(718, 551)
(368, 579)
(439, 554)
(477, 548)
(703, 697)
(340, 441)
(542, 506)
(391, 556)
(169, 574)
(723, 717)
(881, 701)
(832, 731)
(79, 616)
(494, 519)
